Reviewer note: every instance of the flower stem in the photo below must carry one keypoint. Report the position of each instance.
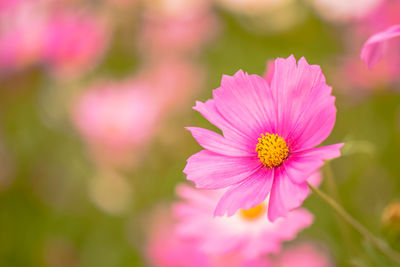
(381, 245)
(332, 190)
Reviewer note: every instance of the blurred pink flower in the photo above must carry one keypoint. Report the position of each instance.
(374, 48)
(48, 31)
(20, 47)
(343, 10)
(21, 34)
(304, 255)
(115, 118)
(165, 247)
(352, 73)
(172, 27)
(270, 131)
(249, 232)
(174, 81)
(381, 18)
(74, 42)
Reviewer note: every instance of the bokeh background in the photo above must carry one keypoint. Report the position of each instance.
(95, 95)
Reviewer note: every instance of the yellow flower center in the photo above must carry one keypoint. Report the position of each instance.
(253, 213)
(272, 150)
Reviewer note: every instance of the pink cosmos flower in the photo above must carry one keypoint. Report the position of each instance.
(303, 255)
(73, 42)
(247, 232)
(374, 48)
(270, 130)
(115, 118)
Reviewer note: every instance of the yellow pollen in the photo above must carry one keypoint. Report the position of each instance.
(253, 213)
(272, 150)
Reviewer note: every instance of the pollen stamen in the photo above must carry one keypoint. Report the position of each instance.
(253, 213)
(272, 150)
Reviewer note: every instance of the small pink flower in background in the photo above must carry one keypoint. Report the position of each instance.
(74, 42)
(374, 48)
(270, 130)
(248, 232)
(355, 78)
(68, 41)
(116, 118)
(21, 34)
(345, 11)
(353, 74)
(173, 27)
(21, 47)
(303, 255)
(174, 81)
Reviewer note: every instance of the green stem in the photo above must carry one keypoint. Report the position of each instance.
(334, 193)
(378, 243)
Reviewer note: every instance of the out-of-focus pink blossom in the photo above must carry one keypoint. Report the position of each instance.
(21, 33)
(374, 48)
(355, 76)
(352, 73)
(74, 42)
(115, 118)
(172, 27)
(174, 81)
(381, 18)
(167, 248)
(303, 255)
(164, 248)
(249, 233)
(68, 41)
(343, 10)
(21, 47)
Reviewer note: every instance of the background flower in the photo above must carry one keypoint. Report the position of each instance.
(249, 233)
(373, 49)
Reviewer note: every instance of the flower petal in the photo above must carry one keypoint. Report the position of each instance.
(210, 112)
(373, 49)
(247, 194)
(301, 165)
(209, 170)
(285, 195)
(218, 144)
(246, 102)
(269, 72)
(304, 105)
